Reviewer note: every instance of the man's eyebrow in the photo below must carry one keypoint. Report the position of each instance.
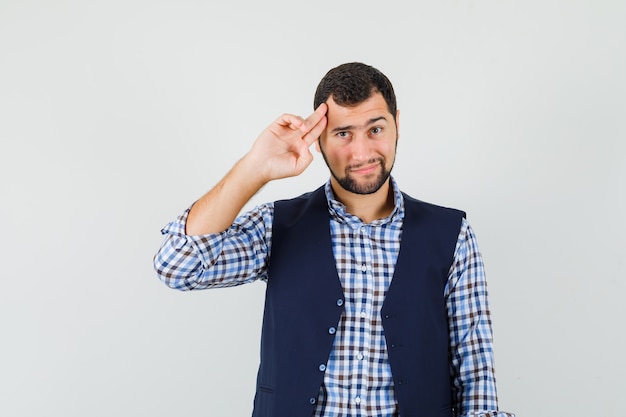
(351, 127)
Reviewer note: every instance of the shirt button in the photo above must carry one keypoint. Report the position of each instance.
(340, 302)
(332, 330)
(363, 268)
(322, 367)
(357, 400)
(359, 356)
(363, 314)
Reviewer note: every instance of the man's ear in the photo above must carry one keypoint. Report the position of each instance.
(398, 124)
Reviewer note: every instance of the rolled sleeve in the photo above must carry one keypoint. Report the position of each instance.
(236, 256)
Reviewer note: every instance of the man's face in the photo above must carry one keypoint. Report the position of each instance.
(359, 144)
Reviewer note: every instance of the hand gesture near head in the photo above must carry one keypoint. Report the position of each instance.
(282, 149)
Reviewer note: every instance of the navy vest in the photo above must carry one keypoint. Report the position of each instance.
(304, 303)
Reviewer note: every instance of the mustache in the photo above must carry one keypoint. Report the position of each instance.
(368, 162)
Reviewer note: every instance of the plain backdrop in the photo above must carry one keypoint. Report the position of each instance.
(116, 115)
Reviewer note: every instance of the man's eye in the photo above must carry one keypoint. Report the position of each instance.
(343, 135)
(376, 130)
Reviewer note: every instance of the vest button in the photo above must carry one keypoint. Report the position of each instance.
(340, 302)
(322, 367)
(332, 330)
(312, 401)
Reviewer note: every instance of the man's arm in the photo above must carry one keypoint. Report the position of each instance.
(205, 247)
(471, 345)
(282, 150)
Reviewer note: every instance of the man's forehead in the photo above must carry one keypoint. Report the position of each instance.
(371, 110)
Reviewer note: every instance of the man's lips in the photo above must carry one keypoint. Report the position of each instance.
(365, 168)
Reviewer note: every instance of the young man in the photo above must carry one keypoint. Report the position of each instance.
(376, 303)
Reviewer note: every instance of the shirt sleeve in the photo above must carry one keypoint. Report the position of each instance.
(236, 256)
(471, 346)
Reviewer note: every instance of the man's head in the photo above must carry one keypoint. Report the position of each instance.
(359, 142)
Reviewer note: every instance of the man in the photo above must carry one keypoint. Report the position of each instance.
(376, 303)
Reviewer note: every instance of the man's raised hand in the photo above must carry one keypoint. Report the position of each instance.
(282, 149)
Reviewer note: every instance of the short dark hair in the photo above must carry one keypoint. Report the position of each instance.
(352, 83)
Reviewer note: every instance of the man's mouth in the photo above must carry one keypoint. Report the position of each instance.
(367, 168)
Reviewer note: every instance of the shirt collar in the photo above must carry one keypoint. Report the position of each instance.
(338, 210)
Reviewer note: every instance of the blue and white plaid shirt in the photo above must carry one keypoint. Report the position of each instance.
(357, 379)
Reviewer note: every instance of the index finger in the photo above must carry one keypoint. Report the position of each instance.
(312, 121)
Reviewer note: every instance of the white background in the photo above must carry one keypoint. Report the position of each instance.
(116, 115)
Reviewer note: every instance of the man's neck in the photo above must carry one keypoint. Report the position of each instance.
(367, 207)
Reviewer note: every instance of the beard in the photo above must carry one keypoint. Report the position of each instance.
(349, 183)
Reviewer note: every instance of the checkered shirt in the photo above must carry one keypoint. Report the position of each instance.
(357, 379)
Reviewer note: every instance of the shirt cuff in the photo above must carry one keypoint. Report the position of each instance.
(205, 247)
(177, 227)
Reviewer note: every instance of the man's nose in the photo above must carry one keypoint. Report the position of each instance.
(360, 147)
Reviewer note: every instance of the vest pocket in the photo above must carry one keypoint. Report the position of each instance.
(266, 389)
(263, 401)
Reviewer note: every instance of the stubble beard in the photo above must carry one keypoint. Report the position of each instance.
(349, 183)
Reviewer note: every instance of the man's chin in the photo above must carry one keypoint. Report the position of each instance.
(363, 186)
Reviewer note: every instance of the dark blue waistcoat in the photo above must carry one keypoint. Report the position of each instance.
(304, 303)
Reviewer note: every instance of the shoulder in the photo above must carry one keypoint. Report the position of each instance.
(412, 204)
(301, 200)
(291, 210)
